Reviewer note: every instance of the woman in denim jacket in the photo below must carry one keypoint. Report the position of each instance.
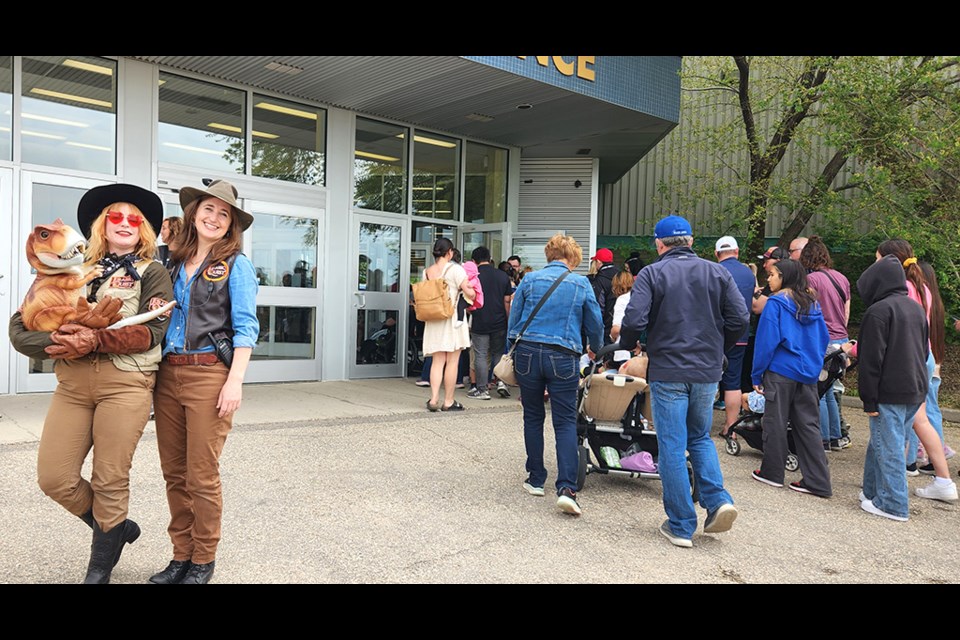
(548, 356)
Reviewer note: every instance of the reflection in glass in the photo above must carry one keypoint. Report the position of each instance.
(69, 112)
(485, 186)
(49, 202)
(285, 250)
(379, 257)
(6, 107)
(436, 182)
(492, 240)
(288, 140)
(201, 124)
(421, 247)
(377, 336)
(379, 166)
(286, 333)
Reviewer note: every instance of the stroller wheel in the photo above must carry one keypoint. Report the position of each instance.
(584, 459)
(694, 489)
(732, 446)
(793, 462)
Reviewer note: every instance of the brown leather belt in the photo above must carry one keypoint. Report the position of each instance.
(178, 359)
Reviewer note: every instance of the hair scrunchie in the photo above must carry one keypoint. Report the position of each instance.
(908, 262)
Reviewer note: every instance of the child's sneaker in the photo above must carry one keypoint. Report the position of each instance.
(938, 491)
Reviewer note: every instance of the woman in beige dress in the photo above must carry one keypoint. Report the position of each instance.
(444, 339)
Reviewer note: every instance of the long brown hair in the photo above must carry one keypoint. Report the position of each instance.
(188, 242)
(145, 250)
(938, 315)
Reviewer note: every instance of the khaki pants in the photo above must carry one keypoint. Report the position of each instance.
(94, 406)
(190, 438)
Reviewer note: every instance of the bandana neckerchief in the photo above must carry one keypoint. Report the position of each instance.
(110, 264)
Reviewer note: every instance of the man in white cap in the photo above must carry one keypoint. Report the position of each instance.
(728, 253)
(692, 313)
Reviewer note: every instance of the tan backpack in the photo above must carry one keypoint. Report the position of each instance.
(431, 298)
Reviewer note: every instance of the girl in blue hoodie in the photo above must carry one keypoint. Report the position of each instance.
(790, 346)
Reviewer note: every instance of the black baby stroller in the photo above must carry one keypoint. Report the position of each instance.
(614, 424)
(748, 426)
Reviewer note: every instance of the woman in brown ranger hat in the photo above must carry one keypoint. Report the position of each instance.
(105, 377)
(211, 336)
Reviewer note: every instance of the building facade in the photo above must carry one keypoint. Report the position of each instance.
(352, 167)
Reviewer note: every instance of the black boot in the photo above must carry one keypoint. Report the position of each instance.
(173, 574)
(104, 551)
(199, 573)
(130, 533)
(88, 518)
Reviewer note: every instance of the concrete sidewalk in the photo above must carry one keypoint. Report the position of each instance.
(355, 482)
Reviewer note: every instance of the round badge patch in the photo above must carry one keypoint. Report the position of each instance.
(216, 272)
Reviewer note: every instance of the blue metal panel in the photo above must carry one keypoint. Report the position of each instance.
(647, 84)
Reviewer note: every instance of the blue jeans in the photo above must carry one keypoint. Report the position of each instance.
(933, 412)
(682, 417)
(884, 481)
(538, 368)
(830, 411)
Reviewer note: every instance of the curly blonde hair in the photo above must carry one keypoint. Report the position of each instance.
(561, 247)
(146, 247)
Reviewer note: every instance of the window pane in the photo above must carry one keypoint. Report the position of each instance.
(50, 202)
(6, 107)
(436, 183)
(380, 166)
(421, 246)
(285, 251)
(286, 333)
(288, 141)
(201, 125)
(379, 257)
(377, 336)
(485, 186)
(69, 112)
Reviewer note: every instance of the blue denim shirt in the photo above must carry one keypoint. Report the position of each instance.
(243, 308)
(569, 310)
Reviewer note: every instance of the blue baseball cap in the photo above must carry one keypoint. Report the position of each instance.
(672, 226)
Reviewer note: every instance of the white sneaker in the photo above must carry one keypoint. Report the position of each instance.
(867, 505)
(863, 496)
(502, 389)
(935, 491)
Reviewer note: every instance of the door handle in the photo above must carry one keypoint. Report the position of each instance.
(361, 301)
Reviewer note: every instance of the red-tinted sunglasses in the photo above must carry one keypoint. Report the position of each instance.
(133, 219)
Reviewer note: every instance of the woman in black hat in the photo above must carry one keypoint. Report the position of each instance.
(211, 336)
(105, 375)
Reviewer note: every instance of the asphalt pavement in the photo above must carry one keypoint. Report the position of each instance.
(356, 482)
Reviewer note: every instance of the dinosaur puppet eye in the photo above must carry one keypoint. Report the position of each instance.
(44, 234)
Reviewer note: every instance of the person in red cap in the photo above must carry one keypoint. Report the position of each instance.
(603, 289)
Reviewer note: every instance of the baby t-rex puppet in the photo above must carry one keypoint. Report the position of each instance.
(57, 295)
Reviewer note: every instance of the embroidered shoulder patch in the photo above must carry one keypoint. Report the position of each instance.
(216, 272)
(156, 303)
(122, 282)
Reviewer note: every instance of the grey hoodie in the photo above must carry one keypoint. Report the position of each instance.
(892, 347)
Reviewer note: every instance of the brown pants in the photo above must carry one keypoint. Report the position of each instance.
(190, 438)
(94, 406)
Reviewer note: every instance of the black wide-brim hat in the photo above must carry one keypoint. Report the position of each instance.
(93, 202)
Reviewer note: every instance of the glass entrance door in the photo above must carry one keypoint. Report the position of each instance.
(380, 299)
(43, 199)
(7, 289)
(491, 236)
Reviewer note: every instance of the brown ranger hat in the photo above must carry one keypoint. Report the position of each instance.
(217, 189)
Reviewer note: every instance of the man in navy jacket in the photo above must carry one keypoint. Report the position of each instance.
(693, 313)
